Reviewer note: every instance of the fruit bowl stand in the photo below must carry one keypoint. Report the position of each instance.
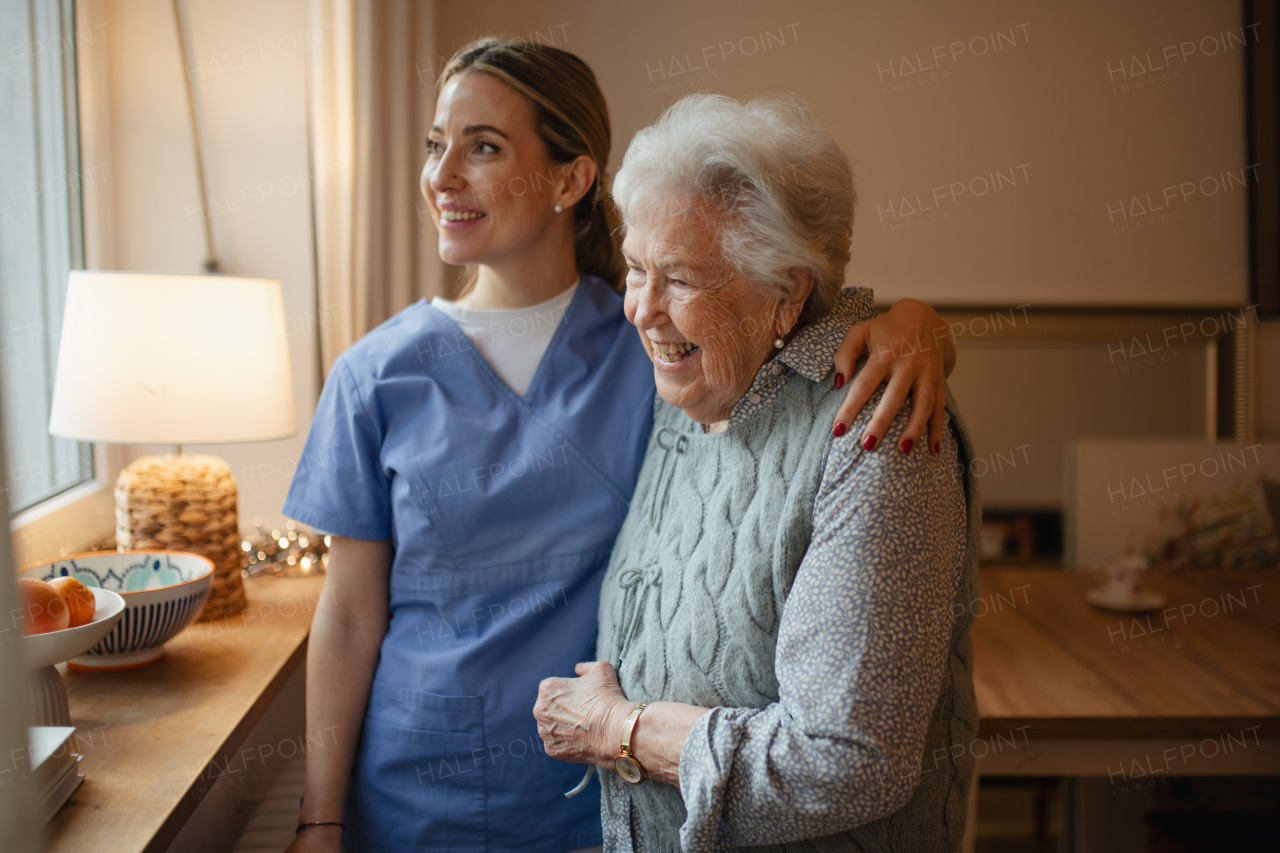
(49, 706)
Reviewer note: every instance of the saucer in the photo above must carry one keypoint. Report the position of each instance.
(1147, 599)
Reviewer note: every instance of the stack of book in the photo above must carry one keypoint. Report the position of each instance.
(55, 772)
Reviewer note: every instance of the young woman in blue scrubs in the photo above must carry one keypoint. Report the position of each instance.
(473, 461)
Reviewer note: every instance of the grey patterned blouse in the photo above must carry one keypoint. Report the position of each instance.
(815, 597)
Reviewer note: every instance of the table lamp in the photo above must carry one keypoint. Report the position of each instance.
(149, 358)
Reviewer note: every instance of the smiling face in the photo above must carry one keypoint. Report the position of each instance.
(488, 181)
(707, 329)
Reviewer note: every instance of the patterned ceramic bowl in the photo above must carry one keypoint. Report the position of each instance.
(163, 592)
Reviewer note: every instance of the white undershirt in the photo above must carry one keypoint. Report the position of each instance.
(512, 340)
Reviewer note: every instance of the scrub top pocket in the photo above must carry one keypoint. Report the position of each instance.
(420, 775)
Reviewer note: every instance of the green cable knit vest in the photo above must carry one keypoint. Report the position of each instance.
(693, 611)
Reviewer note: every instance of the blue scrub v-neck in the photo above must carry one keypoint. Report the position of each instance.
(538, 372)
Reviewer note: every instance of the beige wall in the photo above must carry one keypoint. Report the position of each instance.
(1052, 98)
(1028, 98)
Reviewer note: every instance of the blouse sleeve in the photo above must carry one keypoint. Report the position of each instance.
(340, 485)
(861, 652)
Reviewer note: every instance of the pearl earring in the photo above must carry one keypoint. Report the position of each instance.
(777, 343)
(559, 209)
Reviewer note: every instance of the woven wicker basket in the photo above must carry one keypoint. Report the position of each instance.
(185, 503)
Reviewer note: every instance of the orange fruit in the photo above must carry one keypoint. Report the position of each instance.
(43, 609)
(79, 599)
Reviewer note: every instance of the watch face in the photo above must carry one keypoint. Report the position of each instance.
(628, 768)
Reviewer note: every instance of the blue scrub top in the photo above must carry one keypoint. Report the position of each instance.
(502, 511)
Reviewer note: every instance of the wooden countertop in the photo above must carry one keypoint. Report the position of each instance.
(155, 740)
(1207, 662)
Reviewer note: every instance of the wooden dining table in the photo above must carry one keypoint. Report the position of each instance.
(1064, 688)
(1117, 703)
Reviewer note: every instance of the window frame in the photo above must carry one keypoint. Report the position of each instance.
(70, 521)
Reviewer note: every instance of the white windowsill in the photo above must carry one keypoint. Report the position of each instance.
(67, 523)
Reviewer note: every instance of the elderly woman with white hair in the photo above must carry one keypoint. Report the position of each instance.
(784, 654)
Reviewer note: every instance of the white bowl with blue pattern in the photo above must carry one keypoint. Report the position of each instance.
(163, 591)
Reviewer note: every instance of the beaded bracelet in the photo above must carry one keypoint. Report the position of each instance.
(303, 826)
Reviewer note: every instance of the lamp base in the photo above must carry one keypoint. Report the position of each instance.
(185, 503)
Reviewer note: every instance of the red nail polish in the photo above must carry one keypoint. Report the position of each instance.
(839, 381)
(839, 430)
(937, 447)
(869, 443)
(906, 445)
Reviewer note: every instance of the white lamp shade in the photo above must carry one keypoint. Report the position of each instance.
(172, 359)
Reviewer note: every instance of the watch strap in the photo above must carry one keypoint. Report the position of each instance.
(629, 727)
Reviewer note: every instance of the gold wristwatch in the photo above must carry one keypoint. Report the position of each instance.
(626, 764)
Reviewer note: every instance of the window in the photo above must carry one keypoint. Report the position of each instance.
(41, 239)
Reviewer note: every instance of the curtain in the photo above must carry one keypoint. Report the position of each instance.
(371, 81)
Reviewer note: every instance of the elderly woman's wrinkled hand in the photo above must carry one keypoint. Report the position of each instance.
(580, 719)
